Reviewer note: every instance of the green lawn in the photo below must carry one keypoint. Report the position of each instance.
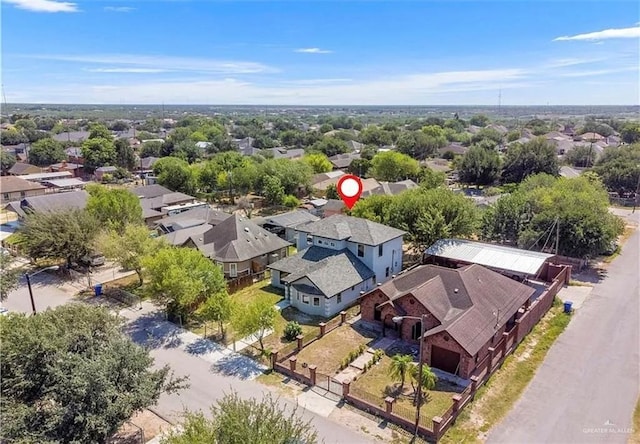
(377, 382)
(328, 352)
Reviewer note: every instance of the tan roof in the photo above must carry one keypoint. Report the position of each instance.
(12, 184)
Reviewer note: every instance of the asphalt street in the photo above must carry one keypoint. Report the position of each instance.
(586, 389)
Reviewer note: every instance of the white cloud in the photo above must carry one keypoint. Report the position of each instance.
(167, 63)
(599, 72)
(119, 8)
(128, 70)
(313, 51)
(619, 33)
(44, 5)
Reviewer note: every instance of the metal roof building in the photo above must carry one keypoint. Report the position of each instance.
(498, 257)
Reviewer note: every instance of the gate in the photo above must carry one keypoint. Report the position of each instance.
(322, 381)
(335, 387)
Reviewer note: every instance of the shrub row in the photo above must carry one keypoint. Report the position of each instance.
(352, 356)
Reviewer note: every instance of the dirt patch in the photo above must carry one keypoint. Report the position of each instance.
(145, 423)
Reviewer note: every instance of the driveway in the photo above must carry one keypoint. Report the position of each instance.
(587, 387)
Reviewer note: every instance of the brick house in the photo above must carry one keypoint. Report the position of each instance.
(467, 311)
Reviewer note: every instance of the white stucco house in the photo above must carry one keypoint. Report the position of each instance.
(338, 258)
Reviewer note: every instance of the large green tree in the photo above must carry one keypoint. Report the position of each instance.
(273, 190)
(426, 214)
(71, 375)
(125, 156)
(45, 152)
(631, 132)
(175, 174)
(98, 152)
(545, 210)
(318, 162)
(619, 168)
(421, 144)
(7, 160)
(536, 156)
(257, 318)
(9, 275)
(330, 146)
(392, 166)
(114, 207)
(234, 420)
(182, 278)
(129, 247)
(479, 166)
(68, 234)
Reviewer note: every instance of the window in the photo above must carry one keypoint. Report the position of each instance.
(22, 194)
(374, 279)
(305, 299)
(386, 272)
(316, 302)
(298, 296)
(309, 239)
(319, 241)
(333, 244)
(6, 195)
(233, 270)
(416, 330)
(380, 250)
(360, 250)
(339, 298)
(377, 313)
(353, 288)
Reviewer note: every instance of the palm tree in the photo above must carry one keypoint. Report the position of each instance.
(429, 379)
(400, 364)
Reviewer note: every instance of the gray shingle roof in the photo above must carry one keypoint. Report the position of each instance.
(331, 271)
(55, 202)
(237, 239)
(354, 229)
(149, 191)
(180, 237)
(20, 168)
(466, 301)
(202, 214)
(12, 184)
(291, 219)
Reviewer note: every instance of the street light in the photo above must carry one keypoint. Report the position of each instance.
(29, 276)
(422, 318)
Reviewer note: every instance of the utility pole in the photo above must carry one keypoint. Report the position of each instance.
(557, 234)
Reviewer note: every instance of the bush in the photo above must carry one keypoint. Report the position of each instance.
(292, 330)
(291, 201)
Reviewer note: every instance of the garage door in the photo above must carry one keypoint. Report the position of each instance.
(444, 359)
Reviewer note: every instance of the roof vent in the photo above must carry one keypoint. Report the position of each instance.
(393, 276)
(455, 290)
(379, 284)
(246, 229)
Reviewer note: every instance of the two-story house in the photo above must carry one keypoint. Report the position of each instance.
(339, 258)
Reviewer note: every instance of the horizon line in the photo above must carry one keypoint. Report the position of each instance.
(316, 106)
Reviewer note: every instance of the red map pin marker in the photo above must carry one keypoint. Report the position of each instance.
(349, 188)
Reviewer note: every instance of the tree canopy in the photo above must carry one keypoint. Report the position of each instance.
(544, 205)
(182, 278)
(392, 166)
(45, 152)
(98, 152)
(239, 421)
(619, 168)
(66, 235)
(114, 207)
(426, 214)
(9, 276)
(318, 162)
(71, 375)
(533, 157)
(175, 174)
(479, 166)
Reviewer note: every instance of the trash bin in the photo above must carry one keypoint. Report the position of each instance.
(567, 306)
(98, 289)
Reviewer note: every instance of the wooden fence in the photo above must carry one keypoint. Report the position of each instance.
(241, 282)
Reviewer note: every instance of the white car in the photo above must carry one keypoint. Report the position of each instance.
(4, 311)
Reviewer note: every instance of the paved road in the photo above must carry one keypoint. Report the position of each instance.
(209, 382)
(587, 387)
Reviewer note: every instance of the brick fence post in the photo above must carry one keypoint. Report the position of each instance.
(300, 338)
(491, 355)
(505, 336)
(388, 404)
(274, 359)
(323, 328)
(292, 363)
(345, 388)
(312, 374)
(343, 317)
(437, 421)
(456, 399)
(474, 384)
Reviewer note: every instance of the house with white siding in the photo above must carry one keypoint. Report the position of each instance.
(338, 259)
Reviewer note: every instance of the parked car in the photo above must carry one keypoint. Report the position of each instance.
(4, 311)
(93, 260)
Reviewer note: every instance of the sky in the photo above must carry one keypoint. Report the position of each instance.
(332, 52)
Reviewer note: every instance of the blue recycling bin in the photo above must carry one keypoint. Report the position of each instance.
(98, 289)
(567, 306)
